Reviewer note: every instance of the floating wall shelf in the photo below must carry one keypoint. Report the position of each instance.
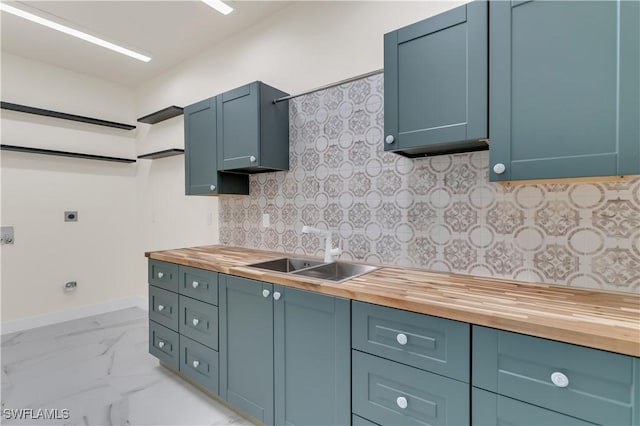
(64, 116)
(161, 154)
(163, 114)
(65, 154)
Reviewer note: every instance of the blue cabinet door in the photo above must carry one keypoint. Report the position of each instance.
(564, 89)
(253, 131)
(246, 346)
(200, 154)
(489, 409)
(312, 358)
(435, 83)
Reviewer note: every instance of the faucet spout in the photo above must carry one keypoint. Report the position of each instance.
(330, 253)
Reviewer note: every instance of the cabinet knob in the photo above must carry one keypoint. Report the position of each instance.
(389, 139)
(212, 187)
(195, 284)
(161, 344)
(401, 338)
(160, 308)
(195, 363)
(276, 295)
(559, 379)
(160, 275)
(499, 168)
(402, 402)
(265, 293)
(195, 321)
(252, 159)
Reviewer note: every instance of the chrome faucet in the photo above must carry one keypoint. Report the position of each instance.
(330, 253)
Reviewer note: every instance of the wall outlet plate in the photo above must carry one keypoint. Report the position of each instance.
(7, 235)
(71, 216)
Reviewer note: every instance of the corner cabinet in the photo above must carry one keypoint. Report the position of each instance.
(284, 353)
(435, 83)
(564, 89)
(201, 154)
(253, 130)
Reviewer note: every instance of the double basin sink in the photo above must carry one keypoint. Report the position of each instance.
(333, 271)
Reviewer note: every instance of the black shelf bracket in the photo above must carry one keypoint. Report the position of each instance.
(163, 114)
(64, 116)
(161, 154)
(65, 154)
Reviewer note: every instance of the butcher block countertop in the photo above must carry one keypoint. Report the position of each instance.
(597, 319)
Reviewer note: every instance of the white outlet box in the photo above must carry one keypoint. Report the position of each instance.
(266, 220)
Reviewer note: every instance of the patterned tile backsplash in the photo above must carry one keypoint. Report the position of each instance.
(439, 213)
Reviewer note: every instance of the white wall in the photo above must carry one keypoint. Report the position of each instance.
(99, 250)
(303, 46)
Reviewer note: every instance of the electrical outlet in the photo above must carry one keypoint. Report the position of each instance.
(71, 216)
(6, 235)
(266, 220)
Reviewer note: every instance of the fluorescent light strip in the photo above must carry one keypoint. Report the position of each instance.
(79, 34)
(218, 5)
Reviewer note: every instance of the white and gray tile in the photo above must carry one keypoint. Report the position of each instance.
(437, 212)
(100, 370)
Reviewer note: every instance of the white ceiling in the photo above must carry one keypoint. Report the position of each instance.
(168, 31)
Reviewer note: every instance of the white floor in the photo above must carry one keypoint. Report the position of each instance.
(100, 370)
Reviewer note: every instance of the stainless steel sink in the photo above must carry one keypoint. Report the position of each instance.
(336, 271)
(286, 264)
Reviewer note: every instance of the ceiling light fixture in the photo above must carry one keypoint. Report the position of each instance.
(218, 5)
(76, 33)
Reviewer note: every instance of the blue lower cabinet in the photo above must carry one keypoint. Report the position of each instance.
(199, 363)
(164, 344)
(163, 307)
(246, 346)
(199, 321)
(593, 385)
(359, 421)
(390, 393)
(199, 284)
(490, 409)
(312, 358)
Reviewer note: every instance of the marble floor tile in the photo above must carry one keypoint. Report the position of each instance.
(100, 370)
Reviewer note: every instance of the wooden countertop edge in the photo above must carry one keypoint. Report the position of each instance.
(579, 333)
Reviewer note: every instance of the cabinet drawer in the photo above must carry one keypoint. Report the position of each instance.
(199, 284)
(381, 388)
(433, 344)
(602, 387)
(199, 363)
(164, 344)
(199, 321)
(163, 275)
(490, 409)
(359, 421)
(163, 307)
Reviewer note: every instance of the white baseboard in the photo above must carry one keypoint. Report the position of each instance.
(7, 327)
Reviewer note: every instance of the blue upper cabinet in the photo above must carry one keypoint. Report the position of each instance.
(253, 131)
(435, 83)
(564, 89)
(200, 154)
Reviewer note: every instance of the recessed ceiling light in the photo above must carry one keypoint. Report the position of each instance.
(218, 5)
(76, 33)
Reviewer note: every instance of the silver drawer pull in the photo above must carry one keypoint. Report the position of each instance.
(195, 363)
(559, 379)
(195, 321)
(160, 308)
(402, 402)
(160, 275)
(402, 338)
(161, 344)
(195, 284)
